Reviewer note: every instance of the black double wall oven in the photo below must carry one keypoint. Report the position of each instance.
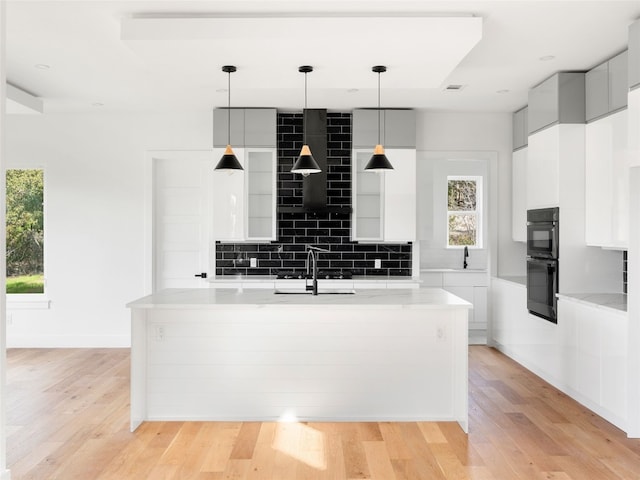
(542, 262)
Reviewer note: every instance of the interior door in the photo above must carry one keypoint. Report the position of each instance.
(181, 219)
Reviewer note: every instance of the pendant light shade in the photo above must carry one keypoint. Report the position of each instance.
(378, 161)
(229, 162)
(305, 164)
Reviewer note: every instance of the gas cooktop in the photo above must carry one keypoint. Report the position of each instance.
(326, 274)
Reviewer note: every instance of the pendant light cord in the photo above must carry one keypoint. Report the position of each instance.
(229, 107)
(304, 130)
(379, 109)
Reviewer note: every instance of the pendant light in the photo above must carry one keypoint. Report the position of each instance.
(305, 164)
(229, 162)
(378, 161)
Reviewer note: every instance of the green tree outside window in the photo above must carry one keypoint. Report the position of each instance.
(25, 231)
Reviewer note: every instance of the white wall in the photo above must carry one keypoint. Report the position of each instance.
(478, 132)
(94, 230)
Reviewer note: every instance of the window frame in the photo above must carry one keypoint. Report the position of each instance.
(477, 212)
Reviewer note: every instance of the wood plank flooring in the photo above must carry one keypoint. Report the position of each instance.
(68, 413)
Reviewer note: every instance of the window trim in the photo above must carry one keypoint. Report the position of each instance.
(478, 211)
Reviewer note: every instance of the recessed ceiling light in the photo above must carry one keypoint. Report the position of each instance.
(454, 88)
(42, 66)
(504, 90)
(353, 90)
(97, 104)
(221, 90)
(546, 58)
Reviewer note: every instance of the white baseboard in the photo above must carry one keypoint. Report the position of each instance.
(68, 341)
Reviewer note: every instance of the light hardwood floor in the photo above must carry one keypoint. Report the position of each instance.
(68, 419)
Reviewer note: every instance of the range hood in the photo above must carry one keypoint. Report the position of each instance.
(314, 187)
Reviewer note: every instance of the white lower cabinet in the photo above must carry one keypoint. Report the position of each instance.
(470, 286)
(584, 355)
(598, 357)
(607, 182)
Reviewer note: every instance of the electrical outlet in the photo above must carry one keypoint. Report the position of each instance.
(159, 333)
(253, 262)
(377, 263)
(9, 318)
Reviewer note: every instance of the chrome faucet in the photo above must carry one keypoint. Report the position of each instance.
(466, 255)
(312, 252)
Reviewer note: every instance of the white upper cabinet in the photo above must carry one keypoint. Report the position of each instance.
(607, 182)
(543, 169)
(228, 200)
(384, 204)
(244, 203)
(519, 195)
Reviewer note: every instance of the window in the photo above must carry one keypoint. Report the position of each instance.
(464, 199)
(25, 231)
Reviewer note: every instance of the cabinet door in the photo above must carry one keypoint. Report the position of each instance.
(620, 178)
(228, 201)
(480, 295)
(399, 129)
(367, 191)
(634, 55)
(518, 134)
(543, 161)
(519, 195)
(260, 177)
(365, 128)
(221, 123)
(598, 182)
(543, 105)
(618, 80)
(400, 196)
(260, 127)
(597, 91)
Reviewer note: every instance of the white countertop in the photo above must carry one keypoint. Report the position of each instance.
(614, 301)
(272, 278)
(519, 279)
(211, 298)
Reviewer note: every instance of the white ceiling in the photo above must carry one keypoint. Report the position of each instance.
(167, 55)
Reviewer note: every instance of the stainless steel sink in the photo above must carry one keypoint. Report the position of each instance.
(324, 291)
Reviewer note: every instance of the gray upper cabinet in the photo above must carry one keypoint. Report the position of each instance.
(597, 91)
(260, 127)
(220, 125)
(606, 87)
(397, 128)
(250, 127)
(520, 136)
(634, 55)
(559, 99)
(618, 78)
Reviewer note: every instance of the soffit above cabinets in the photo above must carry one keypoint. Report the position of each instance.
(165, 55)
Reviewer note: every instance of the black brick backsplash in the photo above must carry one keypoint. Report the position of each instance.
(330, 231)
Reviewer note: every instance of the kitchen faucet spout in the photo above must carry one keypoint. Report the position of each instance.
(466, 255)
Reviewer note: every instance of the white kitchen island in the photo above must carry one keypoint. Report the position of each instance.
(252, 355)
